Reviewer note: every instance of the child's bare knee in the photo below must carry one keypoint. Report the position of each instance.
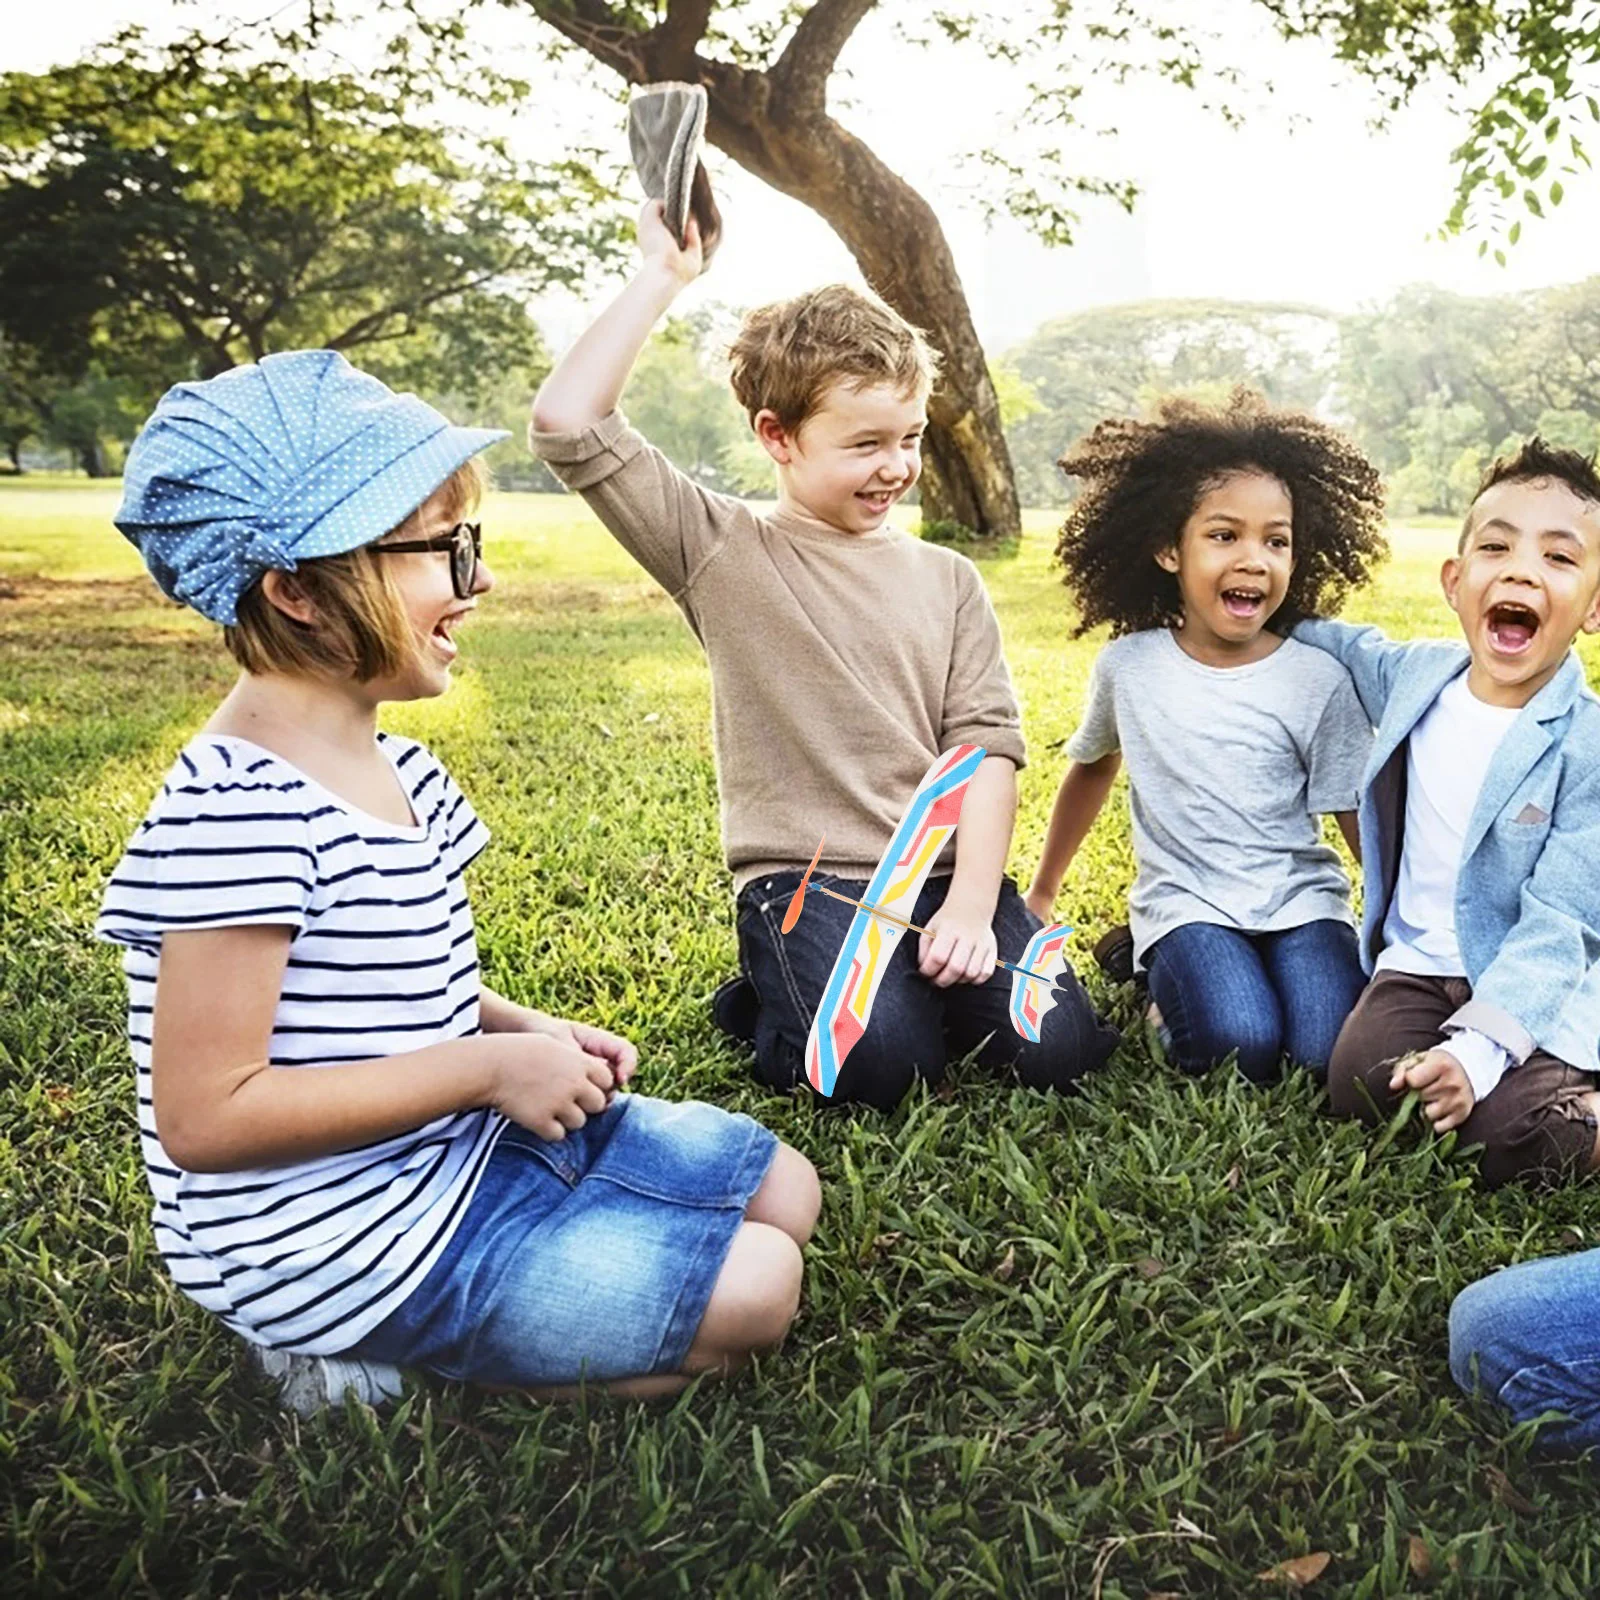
(790, 1196)
(757, 1292)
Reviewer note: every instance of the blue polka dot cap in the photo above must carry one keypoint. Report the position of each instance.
(299, 455)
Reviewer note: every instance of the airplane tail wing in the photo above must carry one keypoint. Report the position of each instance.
(1032, 992)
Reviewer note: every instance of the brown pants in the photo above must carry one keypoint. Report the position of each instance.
(1536, 1126)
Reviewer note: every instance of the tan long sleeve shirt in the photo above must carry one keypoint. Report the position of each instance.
(841, 664)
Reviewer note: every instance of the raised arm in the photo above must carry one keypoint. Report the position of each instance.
(588, 380)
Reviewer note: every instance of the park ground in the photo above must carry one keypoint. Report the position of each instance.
(1161, 1339)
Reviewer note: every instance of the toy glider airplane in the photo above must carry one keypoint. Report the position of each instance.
(882, 919)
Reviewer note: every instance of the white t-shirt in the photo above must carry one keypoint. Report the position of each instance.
(1447, 758)
(311, 1256)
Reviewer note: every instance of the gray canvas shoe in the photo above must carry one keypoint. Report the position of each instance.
(309, 1384)
(666, 131)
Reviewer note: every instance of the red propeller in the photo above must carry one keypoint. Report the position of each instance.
(792, 915)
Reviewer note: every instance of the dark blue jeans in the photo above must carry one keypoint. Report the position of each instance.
(916, 1027)
(1529, 1337)
(1265, 995)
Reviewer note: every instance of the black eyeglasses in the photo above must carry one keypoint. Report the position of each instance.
(465, 544)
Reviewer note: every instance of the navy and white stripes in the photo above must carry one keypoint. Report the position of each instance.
(383, 960)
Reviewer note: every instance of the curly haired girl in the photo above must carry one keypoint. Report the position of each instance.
(1199, 536)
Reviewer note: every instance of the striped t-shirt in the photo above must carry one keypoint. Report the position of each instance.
(383, 960)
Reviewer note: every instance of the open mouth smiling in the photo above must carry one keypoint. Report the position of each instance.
(1511, 627)
(444, 633)
(1242, 602)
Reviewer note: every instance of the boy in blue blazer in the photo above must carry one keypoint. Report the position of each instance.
(1480, 837)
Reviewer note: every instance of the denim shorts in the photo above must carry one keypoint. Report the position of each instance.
(590, 1257)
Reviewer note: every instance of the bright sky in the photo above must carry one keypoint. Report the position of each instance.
(1303, 203)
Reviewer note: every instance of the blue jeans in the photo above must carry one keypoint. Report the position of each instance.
(1529, 1338)
(915, 1027)
(1264, 995)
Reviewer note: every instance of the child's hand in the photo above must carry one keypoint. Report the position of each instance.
(958, 947)
(656, 244)
(622, 1056)
(1040, 904)
(546, 1084)
(1447, 1097)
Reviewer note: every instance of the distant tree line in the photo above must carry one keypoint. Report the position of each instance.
(1432, 384)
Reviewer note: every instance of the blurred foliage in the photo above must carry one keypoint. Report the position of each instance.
(168, 211)
(1432, 385)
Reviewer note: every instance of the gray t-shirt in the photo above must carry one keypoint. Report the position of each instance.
(1228, 771)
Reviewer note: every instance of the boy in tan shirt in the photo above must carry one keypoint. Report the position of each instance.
(845, 657)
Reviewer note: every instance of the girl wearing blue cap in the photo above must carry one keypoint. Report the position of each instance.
(362, 1157)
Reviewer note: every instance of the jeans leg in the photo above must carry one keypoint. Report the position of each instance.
(904, 1038)
(1529, 1338)
(1316, 971)
(1216, 998)
(1072, 1039)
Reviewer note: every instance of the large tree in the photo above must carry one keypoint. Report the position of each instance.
(767, 68)
(769, 111)
(168, 212)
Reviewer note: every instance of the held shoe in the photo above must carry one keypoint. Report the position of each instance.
(666, 130)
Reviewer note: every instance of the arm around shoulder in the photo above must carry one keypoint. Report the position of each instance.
(1367, 653)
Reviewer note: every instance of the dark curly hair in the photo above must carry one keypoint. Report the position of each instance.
(1143, 479)
(1536, 460)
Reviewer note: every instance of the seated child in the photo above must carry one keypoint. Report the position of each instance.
(1529, 1338)
(362, 1156)
(1193, 533)
(845, 657)
(1480, 834)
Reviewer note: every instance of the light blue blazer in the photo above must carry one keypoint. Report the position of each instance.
(1528, 894)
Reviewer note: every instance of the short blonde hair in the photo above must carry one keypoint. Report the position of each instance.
(787, 354)
(361, 629)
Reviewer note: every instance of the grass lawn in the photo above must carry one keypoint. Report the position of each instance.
(1148, 1341)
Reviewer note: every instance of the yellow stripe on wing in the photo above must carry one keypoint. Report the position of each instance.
(931, 848)
(862, 998)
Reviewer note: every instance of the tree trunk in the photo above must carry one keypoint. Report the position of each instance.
(14, 450)
(92, 459)
(897, 242)
(775, 124)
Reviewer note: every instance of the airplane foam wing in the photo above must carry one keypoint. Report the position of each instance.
(897, 880)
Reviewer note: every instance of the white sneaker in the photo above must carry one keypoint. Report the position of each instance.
(309, 1384)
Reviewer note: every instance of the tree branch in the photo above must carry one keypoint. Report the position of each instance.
(678, 36)
(801, 73)
(369, 327)
(594, 26)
